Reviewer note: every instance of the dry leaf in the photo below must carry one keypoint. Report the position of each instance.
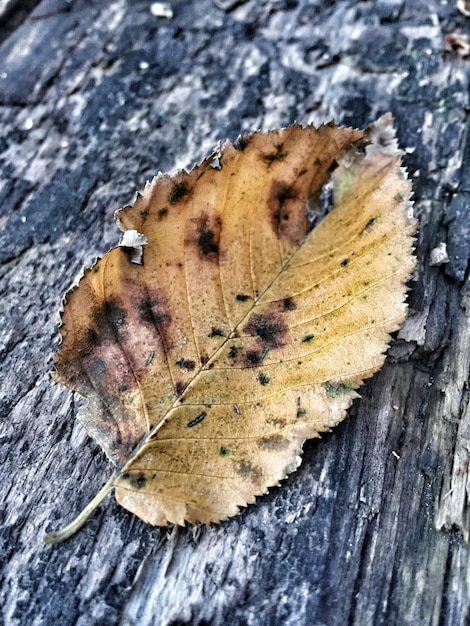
(223, 332)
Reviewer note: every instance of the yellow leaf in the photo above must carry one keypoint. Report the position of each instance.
(223, 332)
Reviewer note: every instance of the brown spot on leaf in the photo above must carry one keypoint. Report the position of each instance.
(241, 297)
(162, 213)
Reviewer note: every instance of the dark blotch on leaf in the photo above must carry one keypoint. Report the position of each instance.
(91, 337)
(253, 358)
(162, 213)
(224, 451)
(206, 240)
(204, 359)
(278, 155)
(186, 364)
(216, 332)
(301, 413)
(180, 387)
(153, 312)
(289, 304)
(178, 192)
(241, 297)
(109, 314)
(308, 338)
(285, 192)
(344, 262)
(138, 481)
(270, 329)
(233, 352)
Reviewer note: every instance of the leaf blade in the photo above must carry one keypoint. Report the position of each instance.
(243, 333)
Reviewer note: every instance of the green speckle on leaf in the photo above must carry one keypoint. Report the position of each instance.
(336, 389)
(263, 378)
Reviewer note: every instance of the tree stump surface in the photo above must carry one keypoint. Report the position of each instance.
(95, 99)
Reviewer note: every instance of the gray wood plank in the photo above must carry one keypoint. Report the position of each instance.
(95, 98)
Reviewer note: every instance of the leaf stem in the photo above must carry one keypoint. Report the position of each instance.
(81, 519)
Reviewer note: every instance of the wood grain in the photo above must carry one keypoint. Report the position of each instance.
(95, 98)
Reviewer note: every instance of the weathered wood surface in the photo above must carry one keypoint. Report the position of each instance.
(95, 98)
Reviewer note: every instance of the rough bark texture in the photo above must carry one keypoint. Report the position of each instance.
(95, 98)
